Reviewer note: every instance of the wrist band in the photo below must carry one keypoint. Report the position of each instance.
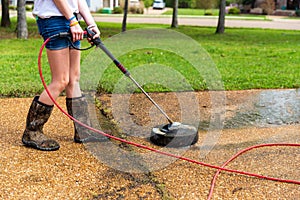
(74, 23)
(73, 17)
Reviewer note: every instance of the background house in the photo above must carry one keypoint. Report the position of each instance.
(287, 4)
(95, 5)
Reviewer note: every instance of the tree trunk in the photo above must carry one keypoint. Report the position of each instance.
(5, 20)
(175, 15)
(22, 32)
(125, 16)
(221, 21)
(253, 4)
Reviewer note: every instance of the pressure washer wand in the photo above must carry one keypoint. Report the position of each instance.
(98, 43)
(154, 103)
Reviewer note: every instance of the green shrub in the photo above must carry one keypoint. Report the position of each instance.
(297, 12)
(234, 11)
(99, 10)
(117, 10)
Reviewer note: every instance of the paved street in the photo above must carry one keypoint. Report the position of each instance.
(273, 22)
(153, 16)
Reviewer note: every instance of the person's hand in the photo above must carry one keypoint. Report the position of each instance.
(95, 29)
(76, 31)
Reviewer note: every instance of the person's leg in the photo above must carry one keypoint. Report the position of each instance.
(76, 103)
(59, 61)
(73, 87)
(42, 106)
(33, 135)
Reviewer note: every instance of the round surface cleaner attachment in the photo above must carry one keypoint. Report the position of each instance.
(174, 135)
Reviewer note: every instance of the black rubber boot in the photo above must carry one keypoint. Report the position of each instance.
(33, 135)
(78, 108)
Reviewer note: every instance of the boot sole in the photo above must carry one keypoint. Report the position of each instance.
(36, 146)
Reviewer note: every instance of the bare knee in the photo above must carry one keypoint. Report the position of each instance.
(73, 88)
(61, 84)
(74, 80)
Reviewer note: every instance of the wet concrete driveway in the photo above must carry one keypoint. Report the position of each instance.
(266, 108)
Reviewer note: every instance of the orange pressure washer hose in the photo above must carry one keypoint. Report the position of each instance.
(219, 169)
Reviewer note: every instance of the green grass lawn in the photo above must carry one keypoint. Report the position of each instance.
(253, 58)
(245, 58)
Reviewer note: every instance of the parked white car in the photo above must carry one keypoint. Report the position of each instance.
(159, 4)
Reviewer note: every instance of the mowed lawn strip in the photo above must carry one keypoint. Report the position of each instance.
(246, 58)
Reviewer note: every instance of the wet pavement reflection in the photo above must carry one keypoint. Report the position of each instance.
(267, 108)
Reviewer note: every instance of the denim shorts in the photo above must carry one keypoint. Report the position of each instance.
(53, 25)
